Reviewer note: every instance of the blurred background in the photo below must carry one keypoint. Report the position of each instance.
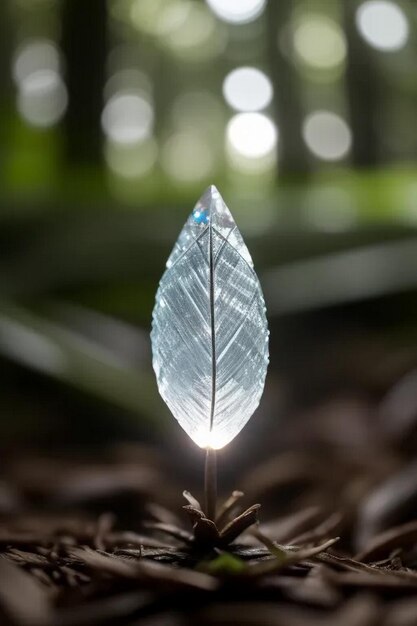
(114, 117)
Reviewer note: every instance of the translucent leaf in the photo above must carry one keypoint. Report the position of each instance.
(210, 334)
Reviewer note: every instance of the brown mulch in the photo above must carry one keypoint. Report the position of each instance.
(87, 541)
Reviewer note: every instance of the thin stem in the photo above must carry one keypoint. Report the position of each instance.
(210, 483)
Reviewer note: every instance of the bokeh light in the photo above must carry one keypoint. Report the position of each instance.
(145, 15)
(189, 30)
(186, 28)
(327, 135)
(34, 55)
(382, 24)
(127, 79)
(127, 117)
(319, 42)
(42, 98)
(187, 156)
(247, 89)
(41, 93)
(237, 11)
(252, 135)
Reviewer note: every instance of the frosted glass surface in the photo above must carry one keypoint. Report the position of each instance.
(209, 332)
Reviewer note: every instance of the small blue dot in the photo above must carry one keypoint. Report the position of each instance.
(200, 216)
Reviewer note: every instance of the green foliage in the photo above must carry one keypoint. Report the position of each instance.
(224, 564)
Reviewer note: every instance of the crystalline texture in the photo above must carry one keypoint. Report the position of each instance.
(209, 332)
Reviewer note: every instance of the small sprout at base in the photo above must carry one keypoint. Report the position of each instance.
(224, 564)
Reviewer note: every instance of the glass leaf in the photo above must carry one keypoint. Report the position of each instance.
(209, 332)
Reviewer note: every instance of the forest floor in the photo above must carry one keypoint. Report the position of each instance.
(105, 540)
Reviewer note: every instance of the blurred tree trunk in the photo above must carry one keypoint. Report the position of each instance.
(293, 157)
(363, 95)
(84, 29)
(6, 88)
